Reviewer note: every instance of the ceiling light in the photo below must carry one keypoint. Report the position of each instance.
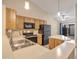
(58, 8)
(58, 14)
(27, 7)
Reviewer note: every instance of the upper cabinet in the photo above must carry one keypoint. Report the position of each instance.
(36, 23)
(10, 18)
(41, 22)
(19, 22)
(14, 21)
(29, 20)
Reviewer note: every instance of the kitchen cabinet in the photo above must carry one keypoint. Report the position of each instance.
(41, 22)
(39, 39)
(54, 42)
(29, 20)
(58, 42)
(10, 18)
(36, 24)
(20, 22)
(51, 43)
(32, 20)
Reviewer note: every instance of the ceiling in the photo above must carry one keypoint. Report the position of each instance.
(68, 7)
(51, 6)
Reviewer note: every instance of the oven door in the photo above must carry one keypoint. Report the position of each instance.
(33, 39)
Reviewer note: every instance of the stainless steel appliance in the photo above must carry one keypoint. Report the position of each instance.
(31, 36)
(45, 30)
(29, 25)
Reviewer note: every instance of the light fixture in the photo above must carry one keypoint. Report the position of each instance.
(60, 13)
(27, 6)
(58, 8)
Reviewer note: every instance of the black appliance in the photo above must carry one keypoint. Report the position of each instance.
(31, 37)
(29, 25)
(45, 30)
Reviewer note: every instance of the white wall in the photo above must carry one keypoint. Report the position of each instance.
(72, 14)
(54, 25)
(73, 19)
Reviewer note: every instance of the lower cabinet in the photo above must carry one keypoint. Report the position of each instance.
(51, 43)
(39, 39)
(54, 42)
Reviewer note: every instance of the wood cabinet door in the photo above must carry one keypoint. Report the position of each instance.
(32, 20)
(39, 39)
(27, 19)
(61, 41)
(13, 19)
(36, 24)
(20, 22)
(8, 21)
(51, 43)
(56, 42)
(41, 22)
(10, 18)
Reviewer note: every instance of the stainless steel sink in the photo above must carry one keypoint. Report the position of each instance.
(21, 44)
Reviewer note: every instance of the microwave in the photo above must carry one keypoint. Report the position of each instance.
(29, 25)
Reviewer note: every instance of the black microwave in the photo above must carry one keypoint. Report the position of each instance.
(29, 25)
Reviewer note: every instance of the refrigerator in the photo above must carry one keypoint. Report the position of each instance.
(45, 30)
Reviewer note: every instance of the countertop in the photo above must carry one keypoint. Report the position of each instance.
(61, 52)
(39, 52)
(30, 52)
(61, 37)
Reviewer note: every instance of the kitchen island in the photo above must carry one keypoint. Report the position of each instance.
(63, 51)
